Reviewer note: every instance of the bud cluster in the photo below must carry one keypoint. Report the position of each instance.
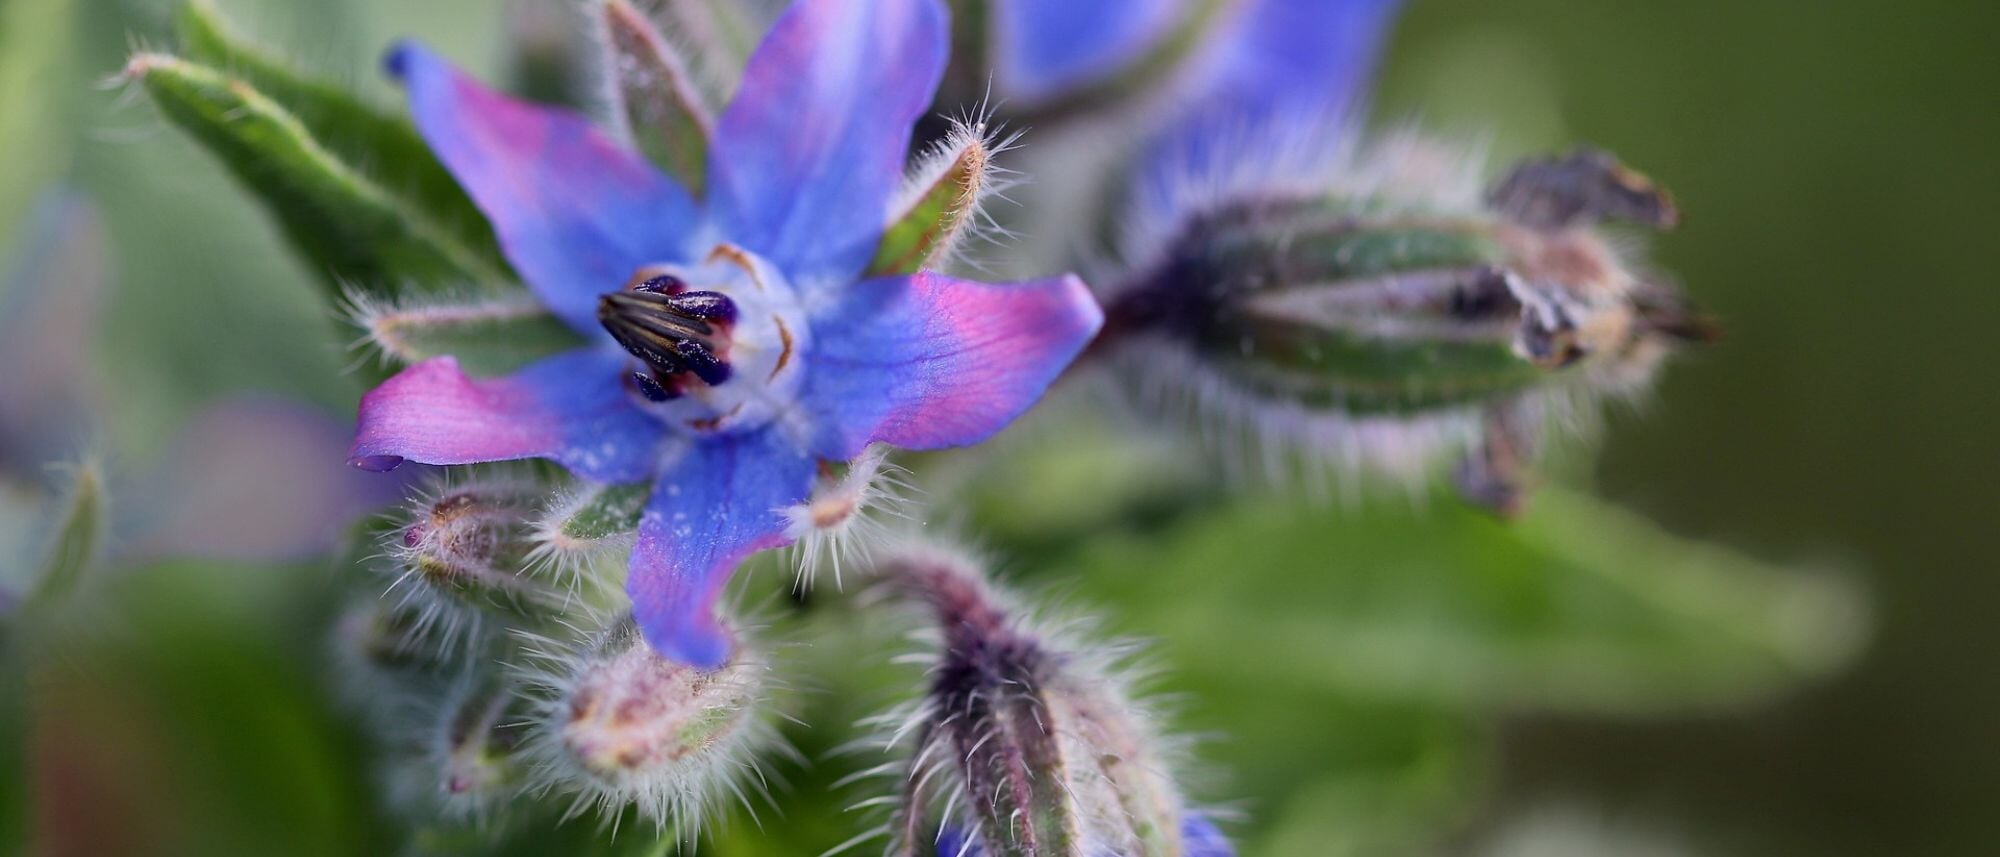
(502, 673)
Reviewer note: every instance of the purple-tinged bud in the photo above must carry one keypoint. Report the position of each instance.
(1378, 315)
(619, 724)
(1033, 747)
(465, 552)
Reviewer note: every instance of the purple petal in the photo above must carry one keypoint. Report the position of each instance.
(811, 151)
(927, 361)
(710, 511)
(1043, 47)
(253, 480)
(572, 408)
(575, 213)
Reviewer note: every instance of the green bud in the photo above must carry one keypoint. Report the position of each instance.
(1380, 323)
(620, 725)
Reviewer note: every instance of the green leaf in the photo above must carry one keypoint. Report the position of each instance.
(396, 158)
(356, 233)
(665, 112)
(78, 529)
(1577, 606)
(35, 36)
(943, 205)
(489, 337)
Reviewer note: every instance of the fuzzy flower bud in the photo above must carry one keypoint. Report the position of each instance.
(1029, 746)
(464, 552)
(1379, 317)
(619, 723)
(461, 757)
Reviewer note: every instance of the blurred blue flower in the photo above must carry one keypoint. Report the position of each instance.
(1242, 60)
(735, 342)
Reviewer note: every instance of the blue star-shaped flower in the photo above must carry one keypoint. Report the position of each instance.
(735, 342)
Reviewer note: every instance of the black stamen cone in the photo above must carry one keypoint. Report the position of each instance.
(671, 333)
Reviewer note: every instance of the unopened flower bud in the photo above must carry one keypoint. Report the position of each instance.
(1030, 746)
(1377, 319)
(620, 724)
(465, 551)
(462, 756)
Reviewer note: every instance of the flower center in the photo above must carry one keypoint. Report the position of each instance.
(672, 330)
(717, 342)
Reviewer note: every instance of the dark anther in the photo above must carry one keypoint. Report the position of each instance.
(714, 306)
(671, 330)
(665, 284)
(703, 363)
(652, 389)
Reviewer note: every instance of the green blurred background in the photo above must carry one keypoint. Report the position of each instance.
(1835, 163)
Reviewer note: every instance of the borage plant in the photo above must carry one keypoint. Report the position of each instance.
(641, 351)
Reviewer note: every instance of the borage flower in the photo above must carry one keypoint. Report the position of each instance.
(736, 343)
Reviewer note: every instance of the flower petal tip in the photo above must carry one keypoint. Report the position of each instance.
(699, 643)
(401, 54)
(375, 463)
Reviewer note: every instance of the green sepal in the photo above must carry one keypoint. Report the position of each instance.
(396, 158)
(669, 122)
(489, 337)
(355, 233)
(78, 530)
(603, 512)
(941, 210)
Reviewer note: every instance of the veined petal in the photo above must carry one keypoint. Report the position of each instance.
(575, 213)
(1044, 47)
(809, 154)
(927, 361)
(710, 511)
(572, 408)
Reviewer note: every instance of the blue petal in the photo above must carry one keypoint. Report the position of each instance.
(927, 361)
(1279, 60)
(571, 408)
(1044, 47)
(1200, 838)
(711, 510)
(575, 213)
(811, 151)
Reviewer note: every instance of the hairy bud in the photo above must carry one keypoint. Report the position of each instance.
(619, 724)
(1378, 319)
(461, 760)
(1031, 747)
(464, 552)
